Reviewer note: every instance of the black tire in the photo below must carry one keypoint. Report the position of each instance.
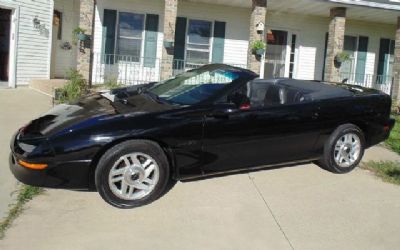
(111, 156)
(328, 162)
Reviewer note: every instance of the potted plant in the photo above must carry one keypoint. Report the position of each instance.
(341, 58)
(168, 44)
(258, 47)
(79, 34)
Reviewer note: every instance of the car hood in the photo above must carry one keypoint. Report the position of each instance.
(91, 110)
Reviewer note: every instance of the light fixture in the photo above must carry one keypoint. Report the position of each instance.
(36, 23)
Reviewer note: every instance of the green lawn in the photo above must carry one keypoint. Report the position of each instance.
(394, 140)
(387, 170)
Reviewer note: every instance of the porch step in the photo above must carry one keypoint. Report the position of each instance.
(47, 86)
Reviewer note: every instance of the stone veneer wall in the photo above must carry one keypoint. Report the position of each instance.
(258, 14)
(336, 31)
(85, 22)
(396, 65)
(170, 14)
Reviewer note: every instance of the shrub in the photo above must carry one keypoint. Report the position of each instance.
(75, 88)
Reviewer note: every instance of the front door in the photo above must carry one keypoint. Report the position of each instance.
(275, 55)
(5, 27)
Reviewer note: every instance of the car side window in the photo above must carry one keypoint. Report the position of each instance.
(269, 95)
(254, 95)
(239, 97)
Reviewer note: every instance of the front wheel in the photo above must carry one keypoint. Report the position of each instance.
(344, 149)
(132, 174)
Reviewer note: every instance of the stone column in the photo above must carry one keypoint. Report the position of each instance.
(396, 65)
(84, 52)
(170, 14)
(258, 14)
(335, 43)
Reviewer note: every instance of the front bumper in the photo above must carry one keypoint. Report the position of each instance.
(33, 178)
(69, 175)
(60, 173)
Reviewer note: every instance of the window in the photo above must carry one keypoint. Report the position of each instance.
(195, 86)
(57, 21)
(130, 35)
(198, 42)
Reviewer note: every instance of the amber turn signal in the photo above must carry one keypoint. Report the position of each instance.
(32, 165)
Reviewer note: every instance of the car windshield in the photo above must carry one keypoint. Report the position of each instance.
(194, 86)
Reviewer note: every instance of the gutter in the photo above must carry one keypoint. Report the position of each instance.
(369, 4)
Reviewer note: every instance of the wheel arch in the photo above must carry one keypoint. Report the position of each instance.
(164, 146)
(364, 127)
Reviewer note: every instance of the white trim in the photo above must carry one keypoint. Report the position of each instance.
(367, 4)
(12, 61)
(50, 47)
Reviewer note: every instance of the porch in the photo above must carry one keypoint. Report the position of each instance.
(139, 41)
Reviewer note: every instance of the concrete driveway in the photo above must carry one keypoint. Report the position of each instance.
(17, 107)
(301, 207)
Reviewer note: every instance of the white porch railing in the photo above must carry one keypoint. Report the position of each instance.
(379, 82)
(130, 70)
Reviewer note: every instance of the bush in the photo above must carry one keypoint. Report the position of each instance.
(112, 83)
(75, 88)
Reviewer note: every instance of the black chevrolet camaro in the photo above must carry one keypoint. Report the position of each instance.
(129, 144)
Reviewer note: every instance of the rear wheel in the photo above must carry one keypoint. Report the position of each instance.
(344, 149)
(132, 174)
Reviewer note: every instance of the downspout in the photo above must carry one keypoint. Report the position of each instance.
(92, 44)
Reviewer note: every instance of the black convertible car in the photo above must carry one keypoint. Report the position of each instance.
(130, 143)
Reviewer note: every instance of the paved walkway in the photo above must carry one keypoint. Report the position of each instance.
(17, 107)
(300, 207)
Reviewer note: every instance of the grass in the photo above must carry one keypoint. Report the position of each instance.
(394, 140)
(387, 170)
(25, 194)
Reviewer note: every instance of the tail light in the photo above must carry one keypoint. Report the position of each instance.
(245, 107)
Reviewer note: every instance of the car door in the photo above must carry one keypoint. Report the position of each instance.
(239, 139)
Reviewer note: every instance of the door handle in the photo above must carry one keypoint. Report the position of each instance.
(219, 115)
(222, 114)
(315, 116)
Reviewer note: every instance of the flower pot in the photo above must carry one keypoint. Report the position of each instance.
(339, 59)
(83, 37)
(168, 44)
(260, 52)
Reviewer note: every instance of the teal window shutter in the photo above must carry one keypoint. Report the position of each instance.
(385, 52)
(180, 39)
(219, 42)
(150, 42)
(361, 58)
(109, 22)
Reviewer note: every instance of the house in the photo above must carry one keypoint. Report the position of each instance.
(138, 41)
